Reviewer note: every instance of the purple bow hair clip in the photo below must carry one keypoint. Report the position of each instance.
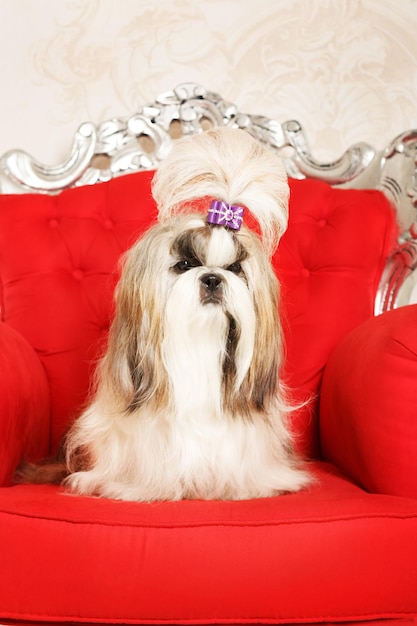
(224, 214)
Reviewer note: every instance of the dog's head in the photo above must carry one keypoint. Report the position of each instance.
(197, 304)
(195, 296)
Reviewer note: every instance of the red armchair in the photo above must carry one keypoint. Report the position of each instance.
(343, 550)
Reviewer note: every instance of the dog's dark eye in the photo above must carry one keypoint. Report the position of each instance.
(236, 268)
(186, 264)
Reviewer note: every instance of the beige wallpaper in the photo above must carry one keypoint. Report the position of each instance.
(346, 69)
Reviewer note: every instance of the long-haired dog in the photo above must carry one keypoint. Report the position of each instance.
(188, 400)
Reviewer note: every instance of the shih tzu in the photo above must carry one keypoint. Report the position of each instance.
(188, 400)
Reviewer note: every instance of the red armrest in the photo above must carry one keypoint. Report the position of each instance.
(24, 403)
(368, 406)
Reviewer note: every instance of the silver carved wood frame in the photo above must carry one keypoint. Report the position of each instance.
(120, 146)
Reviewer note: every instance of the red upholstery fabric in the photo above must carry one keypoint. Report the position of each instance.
(369, 404)
(24, 403)
(333, 552)
(329, 262)
(58, 277)
(330, 553)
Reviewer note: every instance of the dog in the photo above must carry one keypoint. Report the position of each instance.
(188, 401)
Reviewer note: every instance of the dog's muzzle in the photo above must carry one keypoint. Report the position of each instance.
(211, 288)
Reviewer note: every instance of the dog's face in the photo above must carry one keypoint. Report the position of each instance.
(216, 258)
(196, 319)
(210, 267)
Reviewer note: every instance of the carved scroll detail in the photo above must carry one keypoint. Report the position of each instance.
(119, 146)
(398, 278)
(26, 171)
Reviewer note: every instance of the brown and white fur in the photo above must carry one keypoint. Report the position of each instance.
(189, 401)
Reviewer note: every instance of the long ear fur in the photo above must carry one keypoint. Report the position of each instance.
(132, 372)
(230, 165)
(261, 390)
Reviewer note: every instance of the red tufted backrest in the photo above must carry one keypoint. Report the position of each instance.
(329, 262)
(58, 267)
(58, 261)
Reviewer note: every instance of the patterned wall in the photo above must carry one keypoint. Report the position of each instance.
(346, 69)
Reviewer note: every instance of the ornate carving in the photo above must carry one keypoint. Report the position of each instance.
(143, 140)
(398, 180)
(119, 146)
(399, 176)
(398, 278)
(29, 173)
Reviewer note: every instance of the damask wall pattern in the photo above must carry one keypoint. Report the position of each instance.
(346, 69)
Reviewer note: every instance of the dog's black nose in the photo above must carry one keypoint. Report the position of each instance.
(211, 282)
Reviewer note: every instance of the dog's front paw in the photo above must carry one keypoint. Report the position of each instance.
(82, 483)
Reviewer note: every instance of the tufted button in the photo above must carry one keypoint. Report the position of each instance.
(108, 224)
(305, 273)
(322, 223)
(78, 274)
(53, 223)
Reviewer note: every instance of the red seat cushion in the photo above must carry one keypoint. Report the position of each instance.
(332, 553)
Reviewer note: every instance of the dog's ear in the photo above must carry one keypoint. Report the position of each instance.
(226, 164)
(261, 388)
(132, 371)
(264, 373)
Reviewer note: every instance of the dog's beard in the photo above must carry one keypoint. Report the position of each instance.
(208, 346)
